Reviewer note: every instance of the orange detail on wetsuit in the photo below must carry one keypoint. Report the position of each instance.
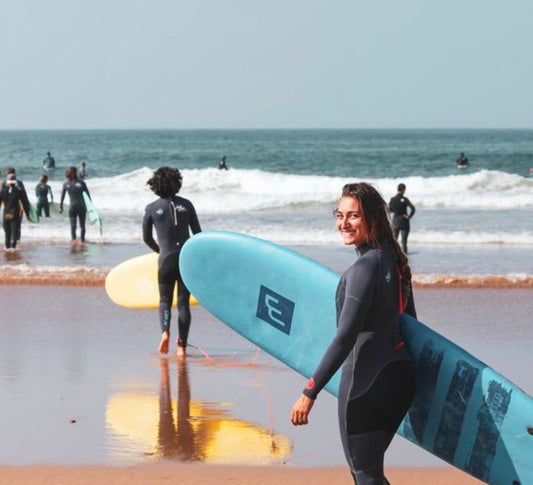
(399, 345)
(310, 384)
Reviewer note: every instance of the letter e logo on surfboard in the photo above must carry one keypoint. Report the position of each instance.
(275, 309)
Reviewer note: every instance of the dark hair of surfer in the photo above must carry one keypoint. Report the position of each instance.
(71, 173)
(165, 182)
(375, 213)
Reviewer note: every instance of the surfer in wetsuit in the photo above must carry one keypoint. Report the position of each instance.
(20, 185)
(399, 206)
(378, 380)
(172, 217)
(75, 188)
(49, 163)
(462, 161)
(222, 163)
(42, 189)
(12, 197)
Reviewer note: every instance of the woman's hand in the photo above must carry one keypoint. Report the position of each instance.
(301, 409)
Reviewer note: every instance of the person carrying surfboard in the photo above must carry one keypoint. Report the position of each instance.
(20, 186)
(12, 197)
(172, 216)
(78, 211)
(378, 378)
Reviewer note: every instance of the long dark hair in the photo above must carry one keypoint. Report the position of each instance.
(165, 182)
(71, 173)
(375, 212)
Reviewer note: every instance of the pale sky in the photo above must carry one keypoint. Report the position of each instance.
(266, 64)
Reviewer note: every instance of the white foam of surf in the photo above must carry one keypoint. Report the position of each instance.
(219, 192)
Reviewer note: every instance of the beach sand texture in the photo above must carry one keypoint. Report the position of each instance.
(68, 355)
(207, 475)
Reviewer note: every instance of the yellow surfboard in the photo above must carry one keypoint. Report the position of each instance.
(133, 283)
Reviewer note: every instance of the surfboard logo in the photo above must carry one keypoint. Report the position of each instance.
(275, 309)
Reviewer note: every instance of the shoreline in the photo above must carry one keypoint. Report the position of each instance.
(193, 474)
(24, 274)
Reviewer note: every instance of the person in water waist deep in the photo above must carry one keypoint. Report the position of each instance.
(378, 379)
(173, 218)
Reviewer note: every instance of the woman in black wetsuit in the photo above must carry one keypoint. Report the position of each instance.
(378, 380)
(172, 217)
(75, 188)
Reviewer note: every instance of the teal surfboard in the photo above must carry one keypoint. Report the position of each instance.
(94, 218)
(34, 215)
(464, 412)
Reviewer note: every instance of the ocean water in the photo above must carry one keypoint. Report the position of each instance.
(282, 185)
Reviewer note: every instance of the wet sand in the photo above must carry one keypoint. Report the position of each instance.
(85, 395)
(82, 384)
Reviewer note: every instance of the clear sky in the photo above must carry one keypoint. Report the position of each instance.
(266, 64)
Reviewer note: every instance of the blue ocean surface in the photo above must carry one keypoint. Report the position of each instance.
(282, 185)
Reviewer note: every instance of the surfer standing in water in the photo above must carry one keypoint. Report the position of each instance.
(378, 378)
(172, 217)
(402, 211)
(49, 163)
(75, 188)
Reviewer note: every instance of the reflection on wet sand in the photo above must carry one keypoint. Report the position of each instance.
(189, 430)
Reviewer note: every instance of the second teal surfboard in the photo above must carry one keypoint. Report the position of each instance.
(91, 212)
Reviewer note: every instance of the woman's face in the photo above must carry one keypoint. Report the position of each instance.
(349, 222)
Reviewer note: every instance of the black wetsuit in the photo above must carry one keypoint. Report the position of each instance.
(172, 218)
(11, 197)
(377, 383)
(49, 163)
(398, 205)
(462, 161)
(75, 189)
(41, 191)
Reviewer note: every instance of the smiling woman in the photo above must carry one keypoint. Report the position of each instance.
(350, 224)
(378, 380)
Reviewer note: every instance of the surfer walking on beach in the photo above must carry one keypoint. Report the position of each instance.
(172, 216)
(378, 379)
(402, 211)
(77, 211)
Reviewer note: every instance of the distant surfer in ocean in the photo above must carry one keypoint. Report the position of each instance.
(222, 163)
(172, 217)
(402, 211)
(462, 161)
(77, 211)
(82, 172)
(49, 163)
(378, 378)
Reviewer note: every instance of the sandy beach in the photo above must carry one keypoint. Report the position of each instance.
(206, 475)
(113, 408)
